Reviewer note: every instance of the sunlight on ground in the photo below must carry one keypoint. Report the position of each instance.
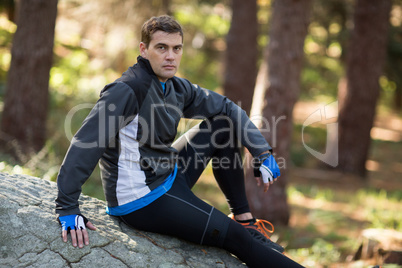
(386, 127)
(372, 165)
(386, 134)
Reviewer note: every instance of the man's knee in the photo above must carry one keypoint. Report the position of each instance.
(221, 129)
(216, 231)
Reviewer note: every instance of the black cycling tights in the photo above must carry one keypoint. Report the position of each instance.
(182, 214)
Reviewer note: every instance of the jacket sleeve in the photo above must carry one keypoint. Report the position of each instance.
(203, 103)
(116, 105)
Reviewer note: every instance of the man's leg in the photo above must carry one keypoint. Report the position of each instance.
(215, 140)
(181, 214)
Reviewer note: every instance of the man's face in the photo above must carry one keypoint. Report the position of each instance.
(164, 53)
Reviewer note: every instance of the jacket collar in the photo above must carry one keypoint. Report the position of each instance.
(144, 63)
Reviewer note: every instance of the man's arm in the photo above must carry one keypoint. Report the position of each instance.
(113, 109)
(201, 102)
(117, 101)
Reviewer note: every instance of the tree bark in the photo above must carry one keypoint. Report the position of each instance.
(358, 99)
(166, 7)
(23, 122)
(279, 77)
(241, 53)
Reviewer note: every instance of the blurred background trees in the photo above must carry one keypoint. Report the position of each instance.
(224, 45)
(284, 58)
(241, 53)
(359, 93)
(23, 121)
(307, 54)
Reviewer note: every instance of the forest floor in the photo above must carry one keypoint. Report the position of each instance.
(330, 210)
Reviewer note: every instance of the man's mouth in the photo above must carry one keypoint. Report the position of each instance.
(170, 67)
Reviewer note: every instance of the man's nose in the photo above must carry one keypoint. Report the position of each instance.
(170, 55)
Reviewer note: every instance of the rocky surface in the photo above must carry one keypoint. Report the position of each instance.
(30, 235)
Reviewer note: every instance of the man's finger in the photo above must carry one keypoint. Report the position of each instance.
(266, 186)
(73, 237)
(86, 237)
(79, 237)
(258, 179)
(64, 235)
(90, 226)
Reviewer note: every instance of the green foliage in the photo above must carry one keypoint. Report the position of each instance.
(205, 29)
(7, 30)
(381, 208)
(333, 213)
(314, 137)
(323, 67)
(321, 253)
(392, 84)
(44, 164)
(312, 191)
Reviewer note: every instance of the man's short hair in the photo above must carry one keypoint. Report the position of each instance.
(163, 23)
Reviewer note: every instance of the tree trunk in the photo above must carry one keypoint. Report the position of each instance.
(365, 62)
(166, 7)
(279, 77)
(241, 53)
(23, 124)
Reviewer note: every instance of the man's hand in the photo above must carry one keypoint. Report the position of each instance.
(266, 168)
(76, 226)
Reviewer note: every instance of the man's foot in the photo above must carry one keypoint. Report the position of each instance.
(260, 232)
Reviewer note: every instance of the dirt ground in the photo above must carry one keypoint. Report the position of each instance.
(384, 173)
(311, 218)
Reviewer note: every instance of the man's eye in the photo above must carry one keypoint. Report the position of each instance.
(161, 48)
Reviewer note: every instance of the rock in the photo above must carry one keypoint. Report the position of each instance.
(384, 246)
(30, 235)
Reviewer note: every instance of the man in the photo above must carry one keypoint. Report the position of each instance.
(147, 177)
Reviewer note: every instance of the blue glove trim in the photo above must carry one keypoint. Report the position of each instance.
(271, 164)
(67, 222)
(257, 162)
(72, 222)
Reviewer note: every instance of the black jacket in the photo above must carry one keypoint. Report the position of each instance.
(130, 131)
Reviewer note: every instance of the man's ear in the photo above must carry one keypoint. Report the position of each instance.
(143, 50)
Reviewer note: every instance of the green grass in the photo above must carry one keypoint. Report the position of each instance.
(335, 219)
